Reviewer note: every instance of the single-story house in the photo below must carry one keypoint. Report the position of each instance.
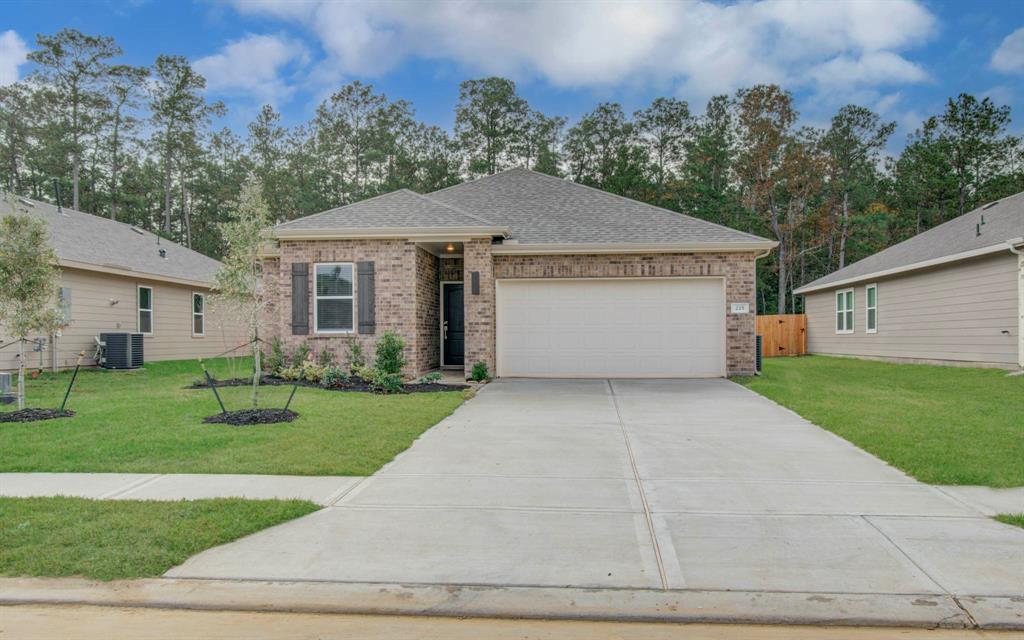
(119, 278)
(530, 274)
(951, 295)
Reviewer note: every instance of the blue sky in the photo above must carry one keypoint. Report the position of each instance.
(902, 58)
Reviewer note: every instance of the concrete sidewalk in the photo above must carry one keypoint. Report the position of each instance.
(324, 490)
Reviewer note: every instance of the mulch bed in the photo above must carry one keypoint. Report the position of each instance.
(33, 415)
(352, 384)
(252, 416)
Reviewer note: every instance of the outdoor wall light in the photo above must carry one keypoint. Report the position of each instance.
(450, 248)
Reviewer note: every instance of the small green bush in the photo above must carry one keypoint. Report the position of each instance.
(480, 373)
(333, 377)
(326, 358)
(290, 373)
(364, 373)
(356, 357)
(432, 378)
(275, 360)
(301, 354)
(386, 382)
(312, 372)
(389, 353)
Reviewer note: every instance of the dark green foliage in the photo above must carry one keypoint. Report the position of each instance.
(276, 359)
(333, 376)
(326, 358)
(480, 372)
(356, 357)
(301, 354)
(389, 354)
(386, 382)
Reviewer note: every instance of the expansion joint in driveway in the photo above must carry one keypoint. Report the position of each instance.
(640, 488)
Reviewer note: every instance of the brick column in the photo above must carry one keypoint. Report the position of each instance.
(480, 307)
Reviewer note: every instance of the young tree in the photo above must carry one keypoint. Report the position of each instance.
(238, 279)
(30, 277)
(75, 64)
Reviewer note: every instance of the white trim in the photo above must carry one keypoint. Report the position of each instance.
(499, 316)
(201, 314)
(441, 363)
(352, 297)
(151, 310)
(411, 233)
(848, 312)
(867, 308)
(874, 275)
(554, 248)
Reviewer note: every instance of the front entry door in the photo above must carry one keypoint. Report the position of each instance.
(453, 333)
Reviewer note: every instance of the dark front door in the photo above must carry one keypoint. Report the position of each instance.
(453, 332)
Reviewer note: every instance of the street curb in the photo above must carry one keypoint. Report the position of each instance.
(618, 605)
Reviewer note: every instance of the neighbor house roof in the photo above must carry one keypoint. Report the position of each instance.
(84, 241)
(532, 212)
(987, 229)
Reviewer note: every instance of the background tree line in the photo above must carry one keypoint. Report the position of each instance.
(138, 145)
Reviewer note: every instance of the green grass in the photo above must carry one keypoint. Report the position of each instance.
(146, 421)
(942, 425)
(112, 539)
(1016, 519)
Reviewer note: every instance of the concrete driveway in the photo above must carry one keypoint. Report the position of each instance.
(671, 484)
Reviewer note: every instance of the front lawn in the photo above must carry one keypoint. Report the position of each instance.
(1016, 519)
(147, 421)
(112, 539)
(942, 425)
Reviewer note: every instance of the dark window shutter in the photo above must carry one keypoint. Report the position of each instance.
(367, 312)
(300, 298)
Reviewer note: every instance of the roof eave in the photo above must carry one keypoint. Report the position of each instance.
(511, 249)
(133, 273)
(915, 266)
(390, 233)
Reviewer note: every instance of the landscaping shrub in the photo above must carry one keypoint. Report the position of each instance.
(363, 372)
(301, 354)
(326, 358)
(334, 376)
(389, 353)
(432, 378)
(480, 373)
(290, 373)
(386, 382)
(276, 359)
(313, 372)
(356, 357)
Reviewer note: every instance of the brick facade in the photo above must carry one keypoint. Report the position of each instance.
(408, 294)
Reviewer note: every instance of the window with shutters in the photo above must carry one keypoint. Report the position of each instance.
(333, 304)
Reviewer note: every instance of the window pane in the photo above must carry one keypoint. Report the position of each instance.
(334, 315)
(849, 320)
(871, 318)
(849, 300)
(146, 321)
(197, 325)
(840, 299)
(197, 303)
(871, 297)
(334, 280)
(839, 322)
(145, 298)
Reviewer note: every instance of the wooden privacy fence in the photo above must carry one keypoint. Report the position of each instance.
(783, 335)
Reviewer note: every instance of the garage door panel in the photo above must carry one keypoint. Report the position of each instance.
(611, 328)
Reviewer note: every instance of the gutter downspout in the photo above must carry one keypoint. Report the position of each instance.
(1012, 245)
(756, 258)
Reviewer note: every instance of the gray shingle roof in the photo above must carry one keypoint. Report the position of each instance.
(398, 209)
(1004, 220)
(89, 239)
(534, 207)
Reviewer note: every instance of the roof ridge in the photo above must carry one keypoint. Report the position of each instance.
(606, 193)
(458, 210)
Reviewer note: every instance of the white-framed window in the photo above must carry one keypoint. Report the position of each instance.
(844, 311)
(333, 301)
(198, 315)
(65, 305)
(145, 307)
(871, 308)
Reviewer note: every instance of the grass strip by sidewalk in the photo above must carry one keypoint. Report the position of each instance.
(113, 539)
(942, 425)
(1016, 519)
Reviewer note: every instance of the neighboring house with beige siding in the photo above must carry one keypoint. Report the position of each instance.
(951, 295)
(118, 278)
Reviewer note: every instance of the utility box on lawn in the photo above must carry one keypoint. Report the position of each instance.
(121, 350)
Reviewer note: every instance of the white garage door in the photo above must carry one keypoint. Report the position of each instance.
(608, 328)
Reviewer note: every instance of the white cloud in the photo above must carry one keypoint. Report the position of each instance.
(13, 53)
(700, 46)
(253, 66)
(1009, 57)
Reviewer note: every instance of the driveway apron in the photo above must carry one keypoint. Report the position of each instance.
(649, 484)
